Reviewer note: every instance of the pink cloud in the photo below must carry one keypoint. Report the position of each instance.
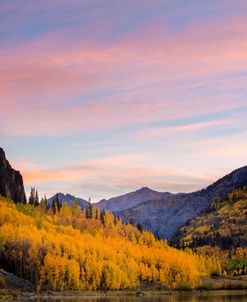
(123, 171)
(41, 79)
(158, 132)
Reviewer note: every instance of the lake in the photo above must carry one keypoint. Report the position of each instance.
(217, 296)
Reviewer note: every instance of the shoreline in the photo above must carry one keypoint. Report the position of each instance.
(208, 286)
(111, 294)
(129, 293)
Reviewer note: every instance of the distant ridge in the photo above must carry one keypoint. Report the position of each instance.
(68, 199)
(164, 216)
(164, 213)
(131, 199)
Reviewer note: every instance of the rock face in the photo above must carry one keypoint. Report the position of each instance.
(131, 199)
(164, 215)
(14, 282)
(68, 199)
(11, 183)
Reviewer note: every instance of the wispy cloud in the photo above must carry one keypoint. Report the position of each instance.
(120, 172)
(161, 132)
(42, 78)
(143, 90)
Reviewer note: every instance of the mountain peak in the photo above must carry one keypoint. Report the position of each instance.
(2, 154)
(68, 198)
(144, 189)
(131, 199)
(164, 216)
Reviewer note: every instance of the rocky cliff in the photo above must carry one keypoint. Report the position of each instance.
(11, 183)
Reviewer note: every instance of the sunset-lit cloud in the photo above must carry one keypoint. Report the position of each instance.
(97, 82)
(120, 171)
(40, 77)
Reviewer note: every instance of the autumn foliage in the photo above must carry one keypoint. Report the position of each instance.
(68, 251)
(221, 230)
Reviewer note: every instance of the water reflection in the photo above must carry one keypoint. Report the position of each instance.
(182, 297)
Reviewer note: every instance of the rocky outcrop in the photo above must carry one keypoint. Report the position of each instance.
(11, 183)
(13, 282)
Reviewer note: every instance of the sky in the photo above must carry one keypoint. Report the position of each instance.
(102, 97)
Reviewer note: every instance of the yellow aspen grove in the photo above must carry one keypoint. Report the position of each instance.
(67, 251)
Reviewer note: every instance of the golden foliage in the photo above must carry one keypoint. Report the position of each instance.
(68, 251)
(220, 230)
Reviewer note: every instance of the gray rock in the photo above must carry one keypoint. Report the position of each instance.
(15, 282)
(11, 182)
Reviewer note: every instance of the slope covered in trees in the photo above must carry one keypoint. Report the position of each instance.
(220, 230)
(75, 249)
(163, 216)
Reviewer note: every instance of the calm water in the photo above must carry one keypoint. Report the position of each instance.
(203, 297)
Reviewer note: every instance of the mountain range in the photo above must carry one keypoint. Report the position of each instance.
(130, 200)
(164, 213)
(221, 229)
(163, 216)
(161, 213)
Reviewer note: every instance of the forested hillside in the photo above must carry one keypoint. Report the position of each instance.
(75, 249)
(165, 216)
(220, 230)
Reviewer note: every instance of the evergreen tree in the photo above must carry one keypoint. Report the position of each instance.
(59, 205)
(53, 206)
(89, 211)
(43, 204)
(36, 199)
(31, 199)
(102, 216)
(140, 227)
(115, 220)
(46, 203)
(56, 206)
(96, 213)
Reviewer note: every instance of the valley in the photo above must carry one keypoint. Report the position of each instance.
(66, 243)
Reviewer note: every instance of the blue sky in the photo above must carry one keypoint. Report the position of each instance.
(99, 98)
